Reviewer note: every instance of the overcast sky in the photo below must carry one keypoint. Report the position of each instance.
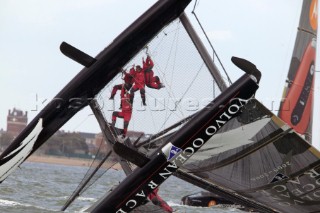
(33, 70)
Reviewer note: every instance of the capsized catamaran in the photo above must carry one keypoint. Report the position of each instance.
(255, 158)
(133, 191)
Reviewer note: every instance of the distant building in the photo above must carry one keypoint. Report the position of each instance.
(90, 141)
(100, 142)
(89, 137)
(16, 121)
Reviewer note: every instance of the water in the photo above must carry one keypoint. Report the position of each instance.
(39, 187)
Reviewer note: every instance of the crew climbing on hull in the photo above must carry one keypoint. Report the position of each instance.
(137, 78)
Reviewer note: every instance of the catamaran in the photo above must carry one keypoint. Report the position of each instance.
(196, 127)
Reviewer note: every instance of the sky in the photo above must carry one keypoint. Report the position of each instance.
(33, 70)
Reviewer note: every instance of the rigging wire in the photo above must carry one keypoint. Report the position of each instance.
(214, 51)
(82, 122)
(91, 176)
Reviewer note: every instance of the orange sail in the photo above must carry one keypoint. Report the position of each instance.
(297, 101)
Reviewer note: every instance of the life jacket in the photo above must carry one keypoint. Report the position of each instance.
(125, 102)
(128, 77)
(147, 65)
(139, 78)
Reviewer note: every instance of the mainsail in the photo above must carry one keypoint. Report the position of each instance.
(267, 162)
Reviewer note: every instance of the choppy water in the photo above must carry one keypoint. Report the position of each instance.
(39, 187)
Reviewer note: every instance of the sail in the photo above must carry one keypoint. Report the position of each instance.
(297, 102)
(261, 158)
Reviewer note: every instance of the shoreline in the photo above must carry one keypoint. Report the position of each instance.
(49, 159)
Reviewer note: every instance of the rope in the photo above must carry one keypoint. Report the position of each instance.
(214, 51)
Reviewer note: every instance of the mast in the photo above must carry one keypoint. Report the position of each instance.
(203, 52)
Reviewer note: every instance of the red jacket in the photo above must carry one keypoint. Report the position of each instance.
(125, 102)
(148, 64)
(128, 77)
(139, 79)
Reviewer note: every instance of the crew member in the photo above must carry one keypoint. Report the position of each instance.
(151, 81)
(157, 200)
(128, 81)
(139, 84)
(125, 113)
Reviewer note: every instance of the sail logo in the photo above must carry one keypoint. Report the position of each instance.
(170, 151)
(313, 14)
(267, 174)
(279, 177)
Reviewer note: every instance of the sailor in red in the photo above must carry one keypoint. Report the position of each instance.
(128, 81)
(115, 89)
(125, 113)
(151, 81)
(139, 84)
(157, 200)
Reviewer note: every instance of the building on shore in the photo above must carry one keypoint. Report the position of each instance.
(17, 120)
(62, 143)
